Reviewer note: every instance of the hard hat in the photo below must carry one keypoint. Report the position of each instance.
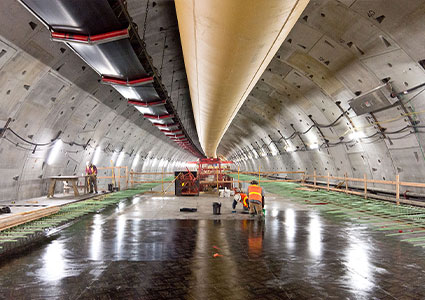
(254, 182)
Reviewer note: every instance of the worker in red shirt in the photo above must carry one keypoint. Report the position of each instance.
(91, 172)
(242, 198)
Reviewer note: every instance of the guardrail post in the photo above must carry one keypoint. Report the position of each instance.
(259, 175)
(314, 177)
(365, 185)
(119, 178)
(346, 183)
(217, 184)
(239, 185)
(397, 188)
(126, 177)
(113, 174)
(162, 181)
(328, 182)
(132, 178)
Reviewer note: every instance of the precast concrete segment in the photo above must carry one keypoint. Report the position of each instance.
(226, 46)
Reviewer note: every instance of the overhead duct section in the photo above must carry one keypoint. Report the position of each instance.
(227, 45)
(102, 34)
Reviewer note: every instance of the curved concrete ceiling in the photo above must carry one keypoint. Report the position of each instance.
(45, 88)
(337, 51)
(227, 46)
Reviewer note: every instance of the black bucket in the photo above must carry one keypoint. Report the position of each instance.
(216, 208)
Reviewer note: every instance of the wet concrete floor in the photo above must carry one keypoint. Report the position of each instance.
(296, 253)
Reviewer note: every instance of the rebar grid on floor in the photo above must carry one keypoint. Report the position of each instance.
(397, 220)
(25, 233)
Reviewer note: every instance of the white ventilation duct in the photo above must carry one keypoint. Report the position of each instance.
(227, 44)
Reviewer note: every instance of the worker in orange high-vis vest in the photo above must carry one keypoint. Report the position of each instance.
(242, 198)
(256, 198)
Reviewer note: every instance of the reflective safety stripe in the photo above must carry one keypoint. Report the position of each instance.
(245, 200)
(255, 193)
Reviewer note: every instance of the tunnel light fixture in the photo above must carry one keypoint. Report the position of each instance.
(96, 156)
(135, 161)
(356, 135)
(54, 152)
(114, 156)
(274, 149)
(314, 146)
(120, 159)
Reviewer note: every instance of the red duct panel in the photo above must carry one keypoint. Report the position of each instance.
(110, 35)
(170, 131)
(177, 139)
(93, 39)
(165, 125)
(160, 117)
(146, 104)
(135, 82)
(69, 37)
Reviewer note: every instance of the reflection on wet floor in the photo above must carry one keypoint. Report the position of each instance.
(294, 254)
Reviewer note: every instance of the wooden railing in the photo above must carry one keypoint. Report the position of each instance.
(343, 185)
(260, 173)
(115, 175)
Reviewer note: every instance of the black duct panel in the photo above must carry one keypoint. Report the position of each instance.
(153, 110)
(88, 17)
(102, 34)
(115, 59)
(144, 93)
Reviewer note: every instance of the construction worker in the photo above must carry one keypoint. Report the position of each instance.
(242, 198)
(256, 198)
(91, 172)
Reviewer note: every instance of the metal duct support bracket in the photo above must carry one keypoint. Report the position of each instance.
(90, 39)
(158, 117)
(147, 104)
(170, 132)
(135, 82)
(166, 125)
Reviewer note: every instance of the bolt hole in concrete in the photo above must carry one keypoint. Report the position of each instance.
(144, 248)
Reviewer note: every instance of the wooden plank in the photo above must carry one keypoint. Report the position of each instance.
(21, 218)
(328, 182)
(365, 185)
(380, 181)
(397, 189)
(74, 186)
(150, 173)
(262, 173)
(414, 184)
(51, 188)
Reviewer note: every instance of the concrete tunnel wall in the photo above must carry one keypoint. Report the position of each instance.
(45, 88)
(336, 51)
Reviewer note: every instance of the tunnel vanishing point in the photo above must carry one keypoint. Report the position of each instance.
(112, 111)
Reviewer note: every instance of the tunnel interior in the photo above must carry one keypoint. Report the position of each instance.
(333, 88)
